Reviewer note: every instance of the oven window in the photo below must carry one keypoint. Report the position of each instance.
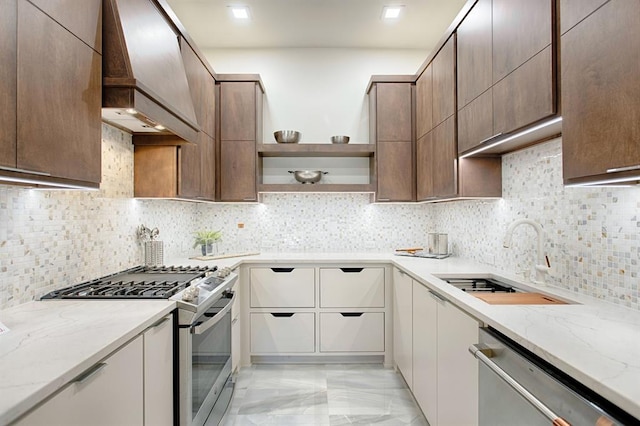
(211, 350)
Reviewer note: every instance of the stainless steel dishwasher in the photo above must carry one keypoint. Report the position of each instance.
(518, 388)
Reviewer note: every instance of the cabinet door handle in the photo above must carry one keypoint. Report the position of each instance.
(90, 372)
(497, 135)
(235, 320)
(282, 314)
(351, 270)
(282, 270)
(249, 199)
(160, 322)
(624, 169)
(351, 314)
(437, 296)
(31, 172)
(384, 199)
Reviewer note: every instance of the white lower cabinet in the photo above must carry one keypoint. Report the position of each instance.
(457, 368)
(352, 287)
(282, 332)
(403, 324)
(109, 393)
(132, 386)
(324, 311)
(425, 358)
(282, 288)
(445, 375)
(352, 332)
(158, 373)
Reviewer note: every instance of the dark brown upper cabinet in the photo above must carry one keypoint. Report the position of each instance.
(440, 174)
(393, 112)
(240, 129)
(8, 81)
(521, 29)
(474, 53)
(600, 66)
(391, 128)
(445, 160)
(506, 53)
(53, 131)
(444, 82)
(574, 11)
(79, 17)
(424, 102)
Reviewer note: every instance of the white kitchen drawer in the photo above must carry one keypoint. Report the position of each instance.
(280, 332)
(352, 332)
(352, 287)
(283, 288)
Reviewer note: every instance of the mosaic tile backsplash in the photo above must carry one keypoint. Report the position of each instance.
(52, 239)
(592, 234)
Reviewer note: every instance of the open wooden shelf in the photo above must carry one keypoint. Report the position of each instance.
(316, 187)
(316, 150)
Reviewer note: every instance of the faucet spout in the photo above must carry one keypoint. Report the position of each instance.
(541, 267)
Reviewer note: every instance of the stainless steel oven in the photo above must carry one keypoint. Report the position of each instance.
(204, 359)
(518, 388)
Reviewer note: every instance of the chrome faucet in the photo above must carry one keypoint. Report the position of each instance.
(542, 268)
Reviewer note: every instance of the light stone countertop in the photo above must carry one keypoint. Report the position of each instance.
(595, 342)
(52, 342)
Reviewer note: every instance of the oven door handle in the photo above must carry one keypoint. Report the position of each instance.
(484, 355)
(201, 328)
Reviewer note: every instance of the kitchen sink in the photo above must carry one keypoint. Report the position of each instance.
(497, 292)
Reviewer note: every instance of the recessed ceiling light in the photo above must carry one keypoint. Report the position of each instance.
(240, 12)
(391, 12)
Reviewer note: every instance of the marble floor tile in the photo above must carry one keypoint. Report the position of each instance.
(332, 394)
(284, 401)
(386, 420)
(370, 401)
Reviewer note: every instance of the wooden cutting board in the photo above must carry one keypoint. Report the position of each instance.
(518, 299)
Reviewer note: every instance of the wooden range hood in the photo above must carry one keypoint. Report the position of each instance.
(145, 88)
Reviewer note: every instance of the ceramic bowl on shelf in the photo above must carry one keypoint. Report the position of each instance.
(287, 136)
(340, 139)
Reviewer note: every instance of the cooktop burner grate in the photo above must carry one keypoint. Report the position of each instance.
(141, 282)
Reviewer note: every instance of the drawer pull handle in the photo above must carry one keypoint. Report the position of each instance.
(282, 314)
(31, 172)
(624, 169)
(351, 270)
(160, 322)
(282, 270)
(90, 372)
(351, 314)
(437, 296)
(490, 138)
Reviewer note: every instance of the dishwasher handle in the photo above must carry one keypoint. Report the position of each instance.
(484, 356)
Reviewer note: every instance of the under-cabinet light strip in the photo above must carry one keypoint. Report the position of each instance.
(512, 137)
(50, 185)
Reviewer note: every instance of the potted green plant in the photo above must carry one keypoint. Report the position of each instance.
(205, 240)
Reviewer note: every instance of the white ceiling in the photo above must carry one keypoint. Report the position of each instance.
(316, 23)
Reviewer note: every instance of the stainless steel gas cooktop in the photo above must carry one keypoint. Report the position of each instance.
(141, 282)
